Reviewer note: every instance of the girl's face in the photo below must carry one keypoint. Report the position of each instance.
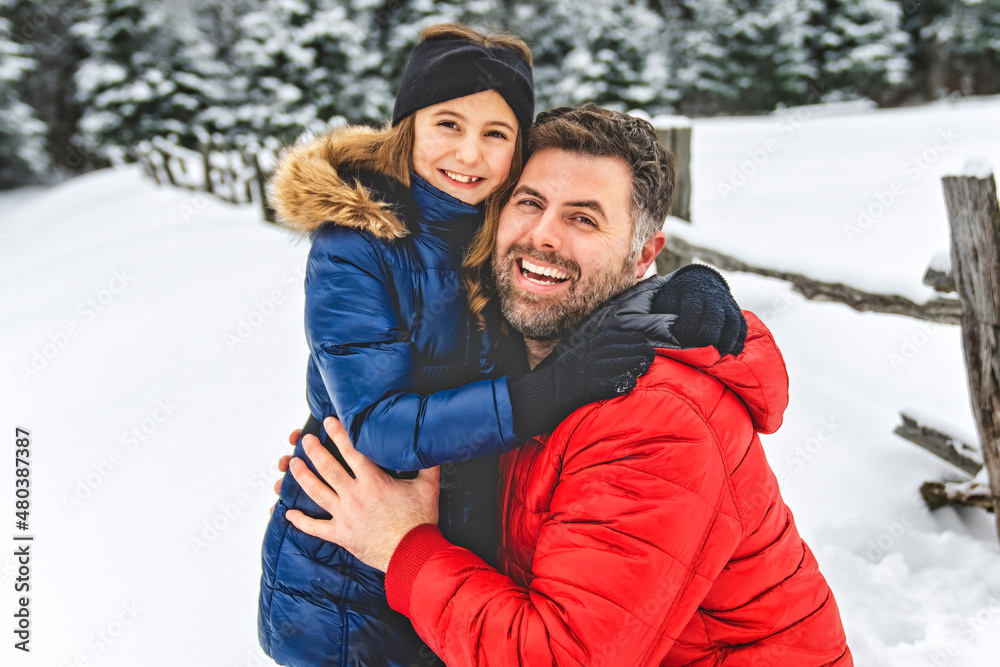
(464, 146)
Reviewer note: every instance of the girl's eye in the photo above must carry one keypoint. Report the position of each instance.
(496, 133)
(449, 124)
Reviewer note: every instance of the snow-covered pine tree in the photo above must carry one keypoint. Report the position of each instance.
(968, 35)
(308, 61)
(743, 55)
(22, 135)
(858, 47)
(141, 80)
(44, 30)
(611, 52)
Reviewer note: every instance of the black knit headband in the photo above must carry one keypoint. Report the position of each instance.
(445, 69)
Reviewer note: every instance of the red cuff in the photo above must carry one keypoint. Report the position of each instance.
(415, 549)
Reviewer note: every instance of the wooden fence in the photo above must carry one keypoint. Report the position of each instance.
(235, 176)
(974, 218)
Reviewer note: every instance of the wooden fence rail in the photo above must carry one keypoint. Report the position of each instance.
(235, 176)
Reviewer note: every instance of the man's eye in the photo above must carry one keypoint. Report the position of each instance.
(585, 220)
(528, 202)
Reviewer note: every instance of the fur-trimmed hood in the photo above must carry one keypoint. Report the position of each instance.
(307, 191)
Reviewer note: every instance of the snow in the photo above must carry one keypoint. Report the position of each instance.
(941, 261)
(166, 410)
(853, 199)
(667, 122)
(977, 166)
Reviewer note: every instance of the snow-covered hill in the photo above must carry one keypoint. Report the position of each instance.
(152, 344)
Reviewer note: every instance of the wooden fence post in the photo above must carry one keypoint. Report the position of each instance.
(205, 146)
(974, 218)
(674, 134)
(269, 214)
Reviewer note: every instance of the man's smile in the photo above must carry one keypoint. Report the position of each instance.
(540, 274)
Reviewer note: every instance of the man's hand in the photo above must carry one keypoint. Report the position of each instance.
(706, 312)
(371, 512)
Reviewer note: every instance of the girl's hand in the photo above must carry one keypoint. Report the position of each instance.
(293, 438)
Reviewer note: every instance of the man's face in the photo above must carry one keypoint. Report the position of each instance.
(564, 241)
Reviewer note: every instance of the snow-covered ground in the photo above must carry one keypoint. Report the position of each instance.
(152, 344)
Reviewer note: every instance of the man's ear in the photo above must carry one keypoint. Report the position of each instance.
(650, 250)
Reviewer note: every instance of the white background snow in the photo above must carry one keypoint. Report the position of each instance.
(155, 434)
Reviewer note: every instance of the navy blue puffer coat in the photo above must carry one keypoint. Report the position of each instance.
(394, 355)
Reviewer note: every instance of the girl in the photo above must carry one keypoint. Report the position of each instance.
(393, 351)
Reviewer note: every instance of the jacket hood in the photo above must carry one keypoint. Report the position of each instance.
(757, 375)
(309, 189)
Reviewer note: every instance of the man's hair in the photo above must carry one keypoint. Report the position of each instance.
(592, 130)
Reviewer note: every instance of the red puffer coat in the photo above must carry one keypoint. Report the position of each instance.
(645, 530)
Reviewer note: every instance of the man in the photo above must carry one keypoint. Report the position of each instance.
(644, 530)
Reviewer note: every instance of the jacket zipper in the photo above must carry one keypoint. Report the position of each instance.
(512, 458)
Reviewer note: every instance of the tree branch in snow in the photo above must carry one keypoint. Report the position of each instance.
(966, 494)
(960, 454)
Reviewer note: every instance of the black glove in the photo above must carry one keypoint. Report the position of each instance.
(705, 309)
(605, 366)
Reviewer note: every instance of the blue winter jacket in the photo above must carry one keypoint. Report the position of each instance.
(394, 355)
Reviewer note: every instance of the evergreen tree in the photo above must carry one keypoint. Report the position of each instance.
(859, 48)
(305, 61)
(44, 31)
(22, 136)
(969, 38)
(606, 51)
(744, 55)
(141, 79)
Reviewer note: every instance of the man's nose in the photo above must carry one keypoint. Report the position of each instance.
(547, 231)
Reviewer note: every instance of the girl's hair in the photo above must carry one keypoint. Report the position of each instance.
(381, 150)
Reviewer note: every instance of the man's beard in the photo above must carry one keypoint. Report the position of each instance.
(546, 317)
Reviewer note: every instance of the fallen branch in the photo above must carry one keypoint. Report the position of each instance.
(960, 454)
(945, 311)
(966, 494)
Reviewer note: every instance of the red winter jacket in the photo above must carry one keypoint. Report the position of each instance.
(645, 530)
